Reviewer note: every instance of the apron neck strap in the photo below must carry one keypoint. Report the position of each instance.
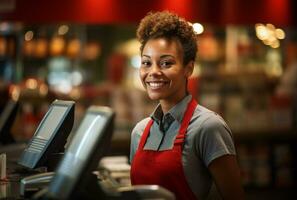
(187, 116)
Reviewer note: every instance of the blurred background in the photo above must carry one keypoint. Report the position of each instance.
(86, 51)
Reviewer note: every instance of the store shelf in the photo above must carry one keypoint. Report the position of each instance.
(267, 136)
(271, 194)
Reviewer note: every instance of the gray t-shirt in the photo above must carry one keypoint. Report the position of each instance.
(208, 137)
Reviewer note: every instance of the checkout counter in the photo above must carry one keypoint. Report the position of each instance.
(77, 175)
(113, 183)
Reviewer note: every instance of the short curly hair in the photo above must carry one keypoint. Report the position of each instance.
(168, 25)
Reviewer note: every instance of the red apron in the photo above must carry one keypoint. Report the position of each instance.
(164, 168)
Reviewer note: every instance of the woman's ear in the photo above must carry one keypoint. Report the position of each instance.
(189, 69)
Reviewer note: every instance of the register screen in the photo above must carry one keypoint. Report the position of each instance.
(48, 126)
(85, 137)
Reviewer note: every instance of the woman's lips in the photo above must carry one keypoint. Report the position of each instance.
(154, 85)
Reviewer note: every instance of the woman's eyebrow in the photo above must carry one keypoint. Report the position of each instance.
(146, 56)
(164, 56)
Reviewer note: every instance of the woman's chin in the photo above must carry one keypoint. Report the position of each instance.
(155, 97)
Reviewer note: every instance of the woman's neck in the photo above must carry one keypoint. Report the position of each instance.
(166, 105)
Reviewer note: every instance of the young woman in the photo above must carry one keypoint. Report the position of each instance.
(182, 146)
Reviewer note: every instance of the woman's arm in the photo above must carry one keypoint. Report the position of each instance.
(226, 174)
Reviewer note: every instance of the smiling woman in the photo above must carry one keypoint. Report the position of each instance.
(162, 71)
(182, 146)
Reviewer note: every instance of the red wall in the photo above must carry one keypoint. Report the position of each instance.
(221, 12)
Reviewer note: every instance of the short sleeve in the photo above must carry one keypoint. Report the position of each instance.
(215, 139)
(135, 137)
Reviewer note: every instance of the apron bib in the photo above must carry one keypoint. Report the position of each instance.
(164, 168)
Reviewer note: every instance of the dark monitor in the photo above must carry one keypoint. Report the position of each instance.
(50, 136)
(90, 142)
(7, 118)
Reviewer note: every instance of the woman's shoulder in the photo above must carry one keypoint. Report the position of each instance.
(205, 119)
(204, 115)
(139, 127)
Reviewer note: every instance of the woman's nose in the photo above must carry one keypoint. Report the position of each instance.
(155, 70)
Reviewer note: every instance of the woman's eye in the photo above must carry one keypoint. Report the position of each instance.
(145, 63)
(166, 64)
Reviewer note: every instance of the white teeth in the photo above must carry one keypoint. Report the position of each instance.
(155, 85)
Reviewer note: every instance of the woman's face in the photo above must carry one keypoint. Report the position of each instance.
(162, 72)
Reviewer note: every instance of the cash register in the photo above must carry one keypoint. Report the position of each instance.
(42, 152)
(7, 118)
(76, 177)
(47, 144)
